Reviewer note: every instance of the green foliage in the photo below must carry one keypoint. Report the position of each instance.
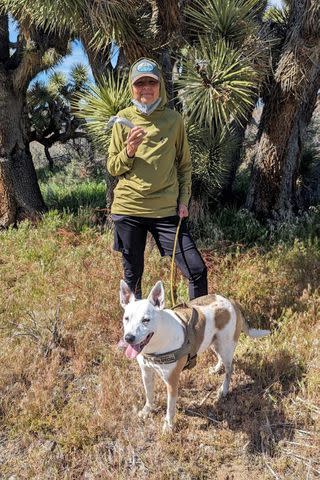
(61, 13)
(69, 188)
(277, 15)
(210, 157)
(210, 167)
(129, 24)
(240, 228)
(72, 197)
(229, 226)
(232, 21)
(49, 106)
(220, 79)
(57, 84)
(79, 75)
(99, 23)
(216, 84)
(99, 103)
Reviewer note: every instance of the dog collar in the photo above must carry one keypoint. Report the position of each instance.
(189, 317)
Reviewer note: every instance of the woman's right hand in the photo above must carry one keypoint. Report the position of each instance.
(134, 139)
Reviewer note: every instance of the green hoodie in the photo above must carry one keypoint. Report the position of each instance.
(158, 177)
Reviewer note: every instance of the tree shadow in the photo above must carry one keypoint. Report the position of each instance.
(255, 406)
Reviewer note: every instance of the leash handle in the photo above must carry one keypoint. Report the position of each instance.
(172, 260)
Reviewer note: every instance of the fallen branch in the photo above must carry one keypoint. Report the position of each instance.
(275, 475)
(306, 461)
(198, 414)
(309, 405)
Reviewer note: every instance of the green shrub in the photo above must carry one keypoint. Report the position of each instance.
(235, 227)
(73, 197)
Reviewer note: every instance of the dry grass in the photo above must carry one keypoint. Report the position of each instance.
(69, 398)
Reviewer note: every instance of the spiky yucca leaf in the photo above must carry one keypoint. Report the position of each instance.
(217, 84)
(98, 23)
(38, 94)
(57, 83)
(101, 102)
(38, 100)
(277, 15)
(231, 20)
(79, 75)
(210, 155)
(126, 23)
(57, 15)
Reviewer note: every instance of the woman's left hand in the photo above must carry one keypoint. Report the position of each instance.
(182, 210)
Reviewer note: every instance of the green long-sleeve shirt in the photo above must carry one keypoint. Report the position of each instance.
(159, 175)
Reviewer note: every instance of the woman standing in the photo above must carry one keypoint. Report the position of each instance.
(152, 162)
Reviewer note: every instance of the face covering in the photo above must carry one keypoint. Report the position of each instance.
(146, 109)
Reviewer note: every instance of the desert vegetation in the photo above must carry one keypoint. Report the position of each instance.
(246, 79)
(69, 397)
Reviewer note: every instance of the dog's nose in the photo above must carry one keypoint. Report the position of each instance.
(129, 338)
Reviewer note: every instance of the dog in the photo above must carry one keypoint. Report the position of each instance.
(167, 341)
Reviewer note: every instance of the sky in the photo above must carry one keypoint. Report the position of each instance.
(78, 55)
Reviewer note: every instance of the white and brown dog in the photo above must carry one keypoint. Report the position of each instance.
(167, 341)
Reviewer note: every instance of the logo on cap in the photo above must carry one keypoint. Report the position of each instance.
(145, 67)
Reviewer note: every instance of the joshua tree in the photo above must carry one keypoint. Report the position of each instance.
(49, 109)
(218, 82)
(96, 105)
(224, 63)
(289, 103)
(137, 28)
(34, 51)
(223, 68)
(44, 30)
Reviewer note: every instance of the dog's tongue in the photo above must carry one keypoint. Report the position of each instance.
(131, 352)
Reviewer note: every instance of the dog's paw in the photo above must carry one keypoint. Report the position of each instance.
(216, 369)
(221, 393)
(167, 427)
(145, 412)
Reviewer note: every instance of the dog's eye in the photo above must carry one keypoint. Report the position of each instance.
(126, 319)
(145, 320)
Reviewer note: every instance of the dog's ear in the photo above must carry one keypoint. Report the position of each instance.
(156, 296)
(126, 296)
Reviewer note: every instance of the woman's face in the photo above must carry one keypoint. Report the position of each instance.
(146, 90)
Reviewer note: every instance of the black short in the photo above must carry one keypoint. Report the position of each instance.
(130, 234)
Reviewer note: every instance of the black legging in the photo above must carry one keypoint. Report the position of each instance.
(130, 239)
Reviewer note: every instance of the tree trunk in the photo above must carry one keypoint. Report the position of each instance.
(20, 196)
(100, 62)
(238, 136)
(7, 204)
(48, 157)
(309, 191)
(167, 62)
(287, 112)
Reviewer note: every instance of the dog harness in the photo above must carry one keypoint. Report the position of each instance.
(189, 317)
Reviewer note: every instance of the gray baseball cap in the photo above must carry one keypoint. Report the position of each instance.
(144, 68)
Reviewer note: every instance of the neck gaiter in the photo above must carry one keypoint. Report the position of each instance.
(146, 109)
